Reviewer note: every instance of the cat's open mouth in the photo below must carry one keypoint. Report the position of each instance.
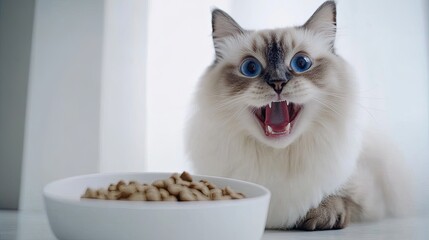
(277, 118)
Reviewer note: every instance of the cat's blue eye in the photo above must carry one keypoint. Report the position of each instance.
(300, 63)
(251, 68)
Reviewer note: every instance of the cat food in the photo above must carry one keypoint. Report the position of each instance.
(175, 188)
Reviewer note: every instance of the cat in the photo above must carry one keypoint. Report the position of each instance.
(280, 108)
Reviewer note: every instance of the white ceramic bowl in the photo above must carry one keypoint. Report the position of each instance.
(73, 218)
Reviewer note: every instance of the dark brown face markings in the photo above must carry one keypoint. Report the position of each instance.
(254, 45)
(317, 72)
(235, 83)
(282, 41)
(266, 40)
(292, 43)
(273, 48)
(273, 37)
(274, 54)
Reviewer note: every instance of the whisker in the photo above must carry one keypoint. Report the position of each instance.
(357, 102)
(327, 105)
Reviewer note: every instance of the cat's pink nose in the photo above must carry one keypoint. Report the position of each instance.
(277, 85)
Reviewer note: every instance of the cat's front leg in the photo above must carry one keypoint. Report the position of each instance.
(334, 212)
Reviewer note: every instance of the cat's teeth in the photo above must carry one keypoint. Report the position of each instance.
(269, 104)
(270, 130)
(287, 128)
(287, 103)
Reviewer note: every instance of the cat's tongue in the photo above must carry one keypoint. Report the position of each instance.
(277, 118)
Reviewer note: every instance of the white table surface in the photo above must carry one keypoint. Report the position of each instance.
(34, 226)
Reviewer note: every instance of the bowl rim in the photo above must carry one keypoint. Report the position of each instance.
(99, 203)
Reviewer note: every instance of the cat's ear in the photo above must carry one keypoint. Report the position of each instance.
(223, 26)
(324, 21)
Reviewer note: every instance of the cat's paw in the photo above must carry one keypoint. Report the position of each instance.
(332, 213)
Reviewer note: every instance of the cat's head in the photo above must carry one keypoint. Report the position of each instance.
(275, 83)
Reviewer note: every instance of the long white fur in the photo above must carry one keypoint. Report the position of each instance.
(329, 151)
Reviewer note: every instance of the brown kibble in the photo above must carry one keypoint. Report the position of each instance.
(224, 191)
(113, 195)
(90, 193)
(199, 195)
(151, 188)
(175, 176)
(186, 176)
(228, 190)
(186, 195)
(123, 195)
(216, 190)
(168, 182)
(112, 187)
(102, 191)
(215, 194)
(236, 196)
(182, 182)
(140, 187)
(200, 186)
(137, 196)
(133, 184)
(205, 190)
(159, 184)
(197, 185)
(232, 193)
(153, 194)
(120, 183)
(175, 188)
(164, 193)
(211, 186)
(128, 189)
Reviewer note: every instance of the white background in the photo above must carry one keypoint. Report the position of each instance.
(111, 81)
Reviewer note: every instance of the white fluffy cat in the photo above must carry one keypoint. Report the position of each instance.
(280, 108)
